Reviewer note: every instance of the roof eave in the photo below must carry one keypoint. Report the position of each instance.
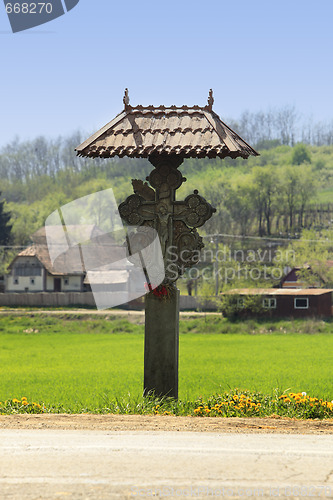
(193, 154)
(100, 132)
(232, 145)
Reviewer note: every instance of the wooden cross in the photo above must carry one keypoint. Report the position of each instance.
(174, 221)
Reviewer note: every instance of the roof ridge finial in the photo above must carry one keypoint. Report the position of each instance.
(210, 100)
(126, 98)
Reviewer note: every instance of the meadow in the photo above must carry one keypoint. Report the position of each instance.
(77, 364)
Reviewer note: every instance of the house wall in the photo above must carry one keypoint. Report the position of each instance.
(324, 304)
(31, 280)
(319, 305)
(74, 283)
(24, 284)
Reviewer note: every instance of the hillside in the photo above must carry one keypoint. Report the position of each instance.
(278, 193)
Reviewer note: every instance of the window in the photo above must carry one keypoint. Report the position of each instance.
(28, 269)
(301, 303)
(269, 303)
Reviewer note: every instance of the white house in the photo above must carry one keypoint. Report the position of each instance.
(32, 271)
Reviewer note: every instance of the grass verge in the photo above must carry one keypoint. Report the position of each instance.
(229, 404)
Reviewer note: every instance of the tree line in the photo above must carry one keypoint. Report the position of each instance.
(278, 193)
(25, 160)
(265, 202)
(284, 126)
(278, 198)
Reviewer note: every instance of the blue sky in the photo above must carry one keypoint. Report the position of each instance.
(71, 73)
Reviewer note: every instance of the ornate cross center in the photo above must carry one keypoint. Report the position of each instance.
(175, 221)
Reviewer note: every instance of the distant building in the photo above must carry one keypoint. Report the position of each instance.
(33, 271)
(294, 278)
(279, 302)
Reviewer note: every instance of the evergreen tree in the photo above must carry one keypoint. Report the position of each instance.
(5, 228)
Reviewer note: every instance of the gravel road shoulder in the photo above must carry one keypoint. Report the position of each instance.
(165, 423)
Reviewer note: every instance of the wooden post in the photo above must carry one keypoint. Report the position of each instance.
(161, 345)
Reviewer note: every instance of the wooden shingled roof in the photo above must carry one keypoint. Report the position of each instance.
(191, 132)
(99, 247)
(41, 253)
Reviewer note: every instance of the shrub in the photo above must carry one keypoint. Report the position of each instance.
(235, 305)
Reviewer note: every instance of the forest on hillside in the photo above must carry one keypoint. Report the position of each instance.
(279, 193)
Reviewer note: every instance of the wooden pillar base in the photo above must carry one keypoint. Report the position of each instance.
(161, 345)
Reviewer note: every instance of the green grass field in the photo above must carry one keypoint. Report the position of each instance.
(81, 363)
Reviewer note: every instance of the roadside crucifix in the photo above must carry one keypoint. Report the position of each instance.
(166, 136)
(175, 221)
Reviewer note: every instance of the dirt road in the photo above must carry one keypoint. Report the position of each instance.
(165, 423)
